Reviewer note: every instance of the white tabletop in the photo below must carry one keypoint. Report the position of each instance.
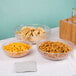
(45, 67)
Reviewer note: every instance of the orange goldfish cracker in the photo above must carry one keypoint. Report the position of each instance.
(16, 47)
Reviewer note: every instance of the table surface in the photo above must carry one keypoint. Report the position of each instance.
(45, 67)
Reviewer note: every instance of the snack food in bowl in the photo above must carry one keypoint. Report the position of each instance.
(17, 49)
(54, 50)
(32, 33)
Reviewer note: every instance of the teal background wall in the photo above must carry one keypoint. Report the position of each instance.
(48, 12)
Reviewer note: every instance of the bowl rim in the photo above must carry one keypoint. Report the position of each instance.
(32, 25)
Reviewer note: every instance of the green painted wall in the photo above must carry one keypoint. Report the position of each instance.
(16, 12)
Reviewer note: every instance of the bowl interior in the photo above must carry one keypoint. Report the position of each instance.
(11, 41)
(70, 44)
